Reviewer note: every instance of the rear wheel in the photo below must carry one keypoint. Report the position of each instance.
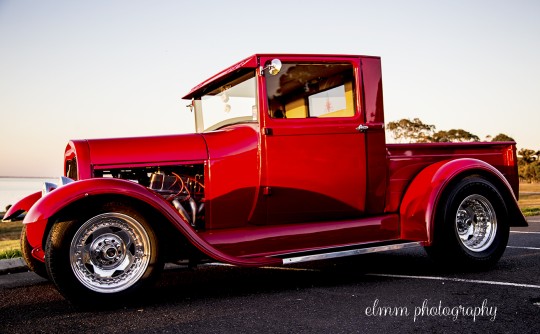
(112, 253)
(31, 262)
(472, 228)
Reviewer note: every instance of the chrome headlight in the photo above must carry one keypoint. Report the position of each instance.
(49, 186)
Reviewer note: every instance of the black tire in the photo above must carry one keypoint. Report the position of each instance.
(471, 230)
(31, 262)
(111, 253)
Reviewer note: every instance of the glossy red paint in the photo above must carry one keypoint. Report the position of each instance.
(233, 176)
(22, 206)
(132, 152)
(419, 204)
(376, 178)
(292, 238)
(38, 254)
(39, 215)
(405, 161)
(78, 151)
(299, 155)
(307, 184)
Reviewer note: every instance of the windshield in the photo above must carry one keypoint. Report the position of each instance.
(231, 103)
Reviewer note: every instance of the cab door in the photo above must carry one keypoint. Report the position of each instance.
(313, 150)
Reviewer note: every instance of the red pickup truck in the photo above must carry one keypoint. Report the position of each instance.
(289, 164)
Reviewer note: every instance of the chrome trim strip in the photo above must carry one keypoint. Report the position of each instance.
(333, 249)
(331, 255)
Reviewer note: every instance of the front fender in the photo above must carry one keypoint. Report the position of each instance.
(21, 206)
(419, 205)
(39, 215)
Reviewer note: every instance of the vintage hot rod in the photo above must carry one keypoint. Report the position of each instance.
(289, 164)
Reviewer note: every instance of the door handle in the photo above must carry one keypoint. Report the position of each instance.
(362, 128)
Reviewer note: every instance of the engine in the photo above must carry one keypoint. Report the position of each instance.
(185, 192)
(182, 186)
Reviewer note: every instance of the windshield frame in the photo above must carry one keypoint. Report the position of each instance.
(231, 90)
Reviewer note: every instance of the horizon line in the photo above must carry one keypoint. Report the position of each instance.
(28, 177)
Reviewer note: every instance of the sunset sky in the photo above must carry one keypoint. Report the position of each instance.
(92, 69)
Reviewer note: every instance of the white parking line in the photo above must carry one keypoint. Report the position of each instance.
(524, 232)
(291, 269)
(451, 279)
(530, 248)
(433, 278)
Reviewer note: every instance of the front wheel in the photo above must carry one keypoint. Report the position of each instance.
(472, 228)
(112, 253)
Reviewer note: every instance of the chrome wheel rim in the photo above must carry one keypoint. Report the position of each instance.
(476, 223)
(110, 252)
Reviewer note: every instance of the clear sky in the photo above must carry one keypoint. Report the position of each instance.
(92, 69)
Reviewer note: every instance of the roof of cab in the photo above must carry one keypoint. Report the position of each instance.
(252, 62)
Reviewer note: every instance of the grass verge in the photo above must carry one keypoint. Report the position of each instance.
(529, 198)
(10, 246)
(10, 249)
(10, 254)
(527, 212)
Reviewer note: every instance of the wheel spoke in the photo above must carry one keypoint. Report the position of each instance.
(100, 273)
(126, 263)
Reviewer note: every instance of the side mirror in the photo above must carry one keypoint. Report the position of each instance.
(273, 67)
(191, 106)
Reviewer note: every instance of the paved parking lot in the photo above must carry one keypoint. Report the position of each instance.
(399, 291)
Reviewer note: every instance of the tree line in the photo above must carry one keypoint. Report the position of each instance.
(529, 165)
(416, 131)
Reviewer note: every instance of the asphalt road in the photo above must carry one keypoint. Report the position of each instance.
(345, 296)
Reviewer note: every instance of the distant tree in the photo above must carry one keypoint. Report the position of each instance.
(502, 137)
(453, 135)
(416, 131)
(527, 156)
(411, 131)
(533, 170)
(529, 165)
(529, 172)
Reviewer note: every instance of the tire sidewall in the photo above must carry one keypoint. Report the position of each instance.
(450, 237)
(58, 262)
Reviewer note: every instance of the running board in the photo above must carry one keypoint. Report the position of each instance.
(349, 252)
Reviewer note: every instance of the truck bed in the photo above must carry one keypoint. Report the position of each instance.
(407, 160)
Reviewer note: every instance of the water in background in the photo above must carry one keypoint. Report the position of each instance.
(12, 189)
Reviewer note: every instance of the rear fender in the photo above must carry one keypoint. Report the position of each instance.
(22, 206)
(39, 216)
(419, 205)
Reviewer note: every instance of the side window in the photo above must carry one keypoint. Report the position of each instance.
(311, 90)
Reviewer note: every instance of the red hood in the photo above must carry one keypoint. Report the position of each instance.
(126, 152)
